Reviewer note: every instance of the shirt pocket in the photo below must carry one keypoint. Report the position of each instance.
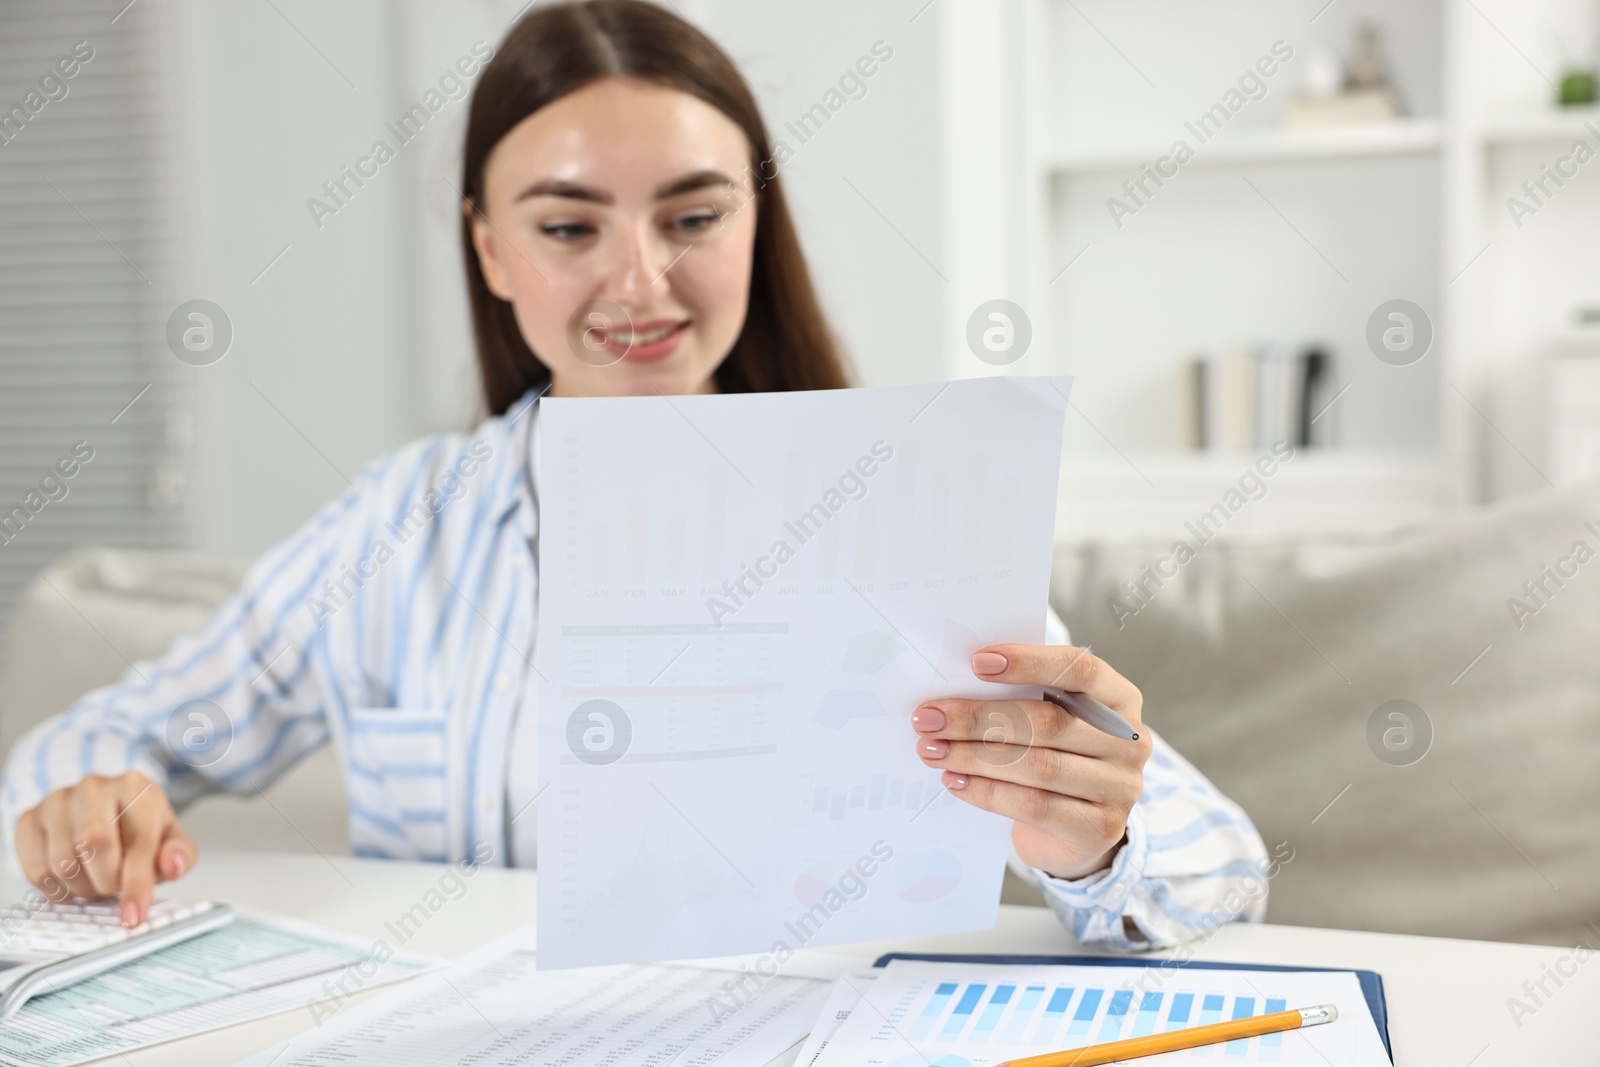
(395, 770)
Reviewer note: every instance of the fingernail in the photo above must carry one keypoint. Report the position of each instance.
(927, 720)
(130, 914)
(177, 865)
(933, 748)
(988, 663)
(955, 781)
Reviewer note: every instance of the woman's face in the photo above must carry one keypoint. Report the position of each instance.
(619, 223)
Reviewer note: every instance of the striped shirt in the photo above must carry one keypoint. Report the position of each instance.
(399, 624)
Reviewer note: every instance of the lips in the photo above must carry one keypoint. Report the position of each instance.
(642, 342)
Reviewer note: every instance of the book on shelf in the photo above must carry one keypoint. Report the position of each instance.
(1254, 396)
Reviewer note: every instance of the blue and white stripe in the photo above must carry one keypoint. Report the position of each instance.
(417, 680)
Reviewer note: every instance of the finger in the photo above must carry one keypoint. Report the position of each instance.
(29, 838)
(178, 854)
(66, 875)
(144, 821)
(1063, 666)
(1017, 722)
(1066, 773)
(140, 843)
(96, 837)
(1077, 822)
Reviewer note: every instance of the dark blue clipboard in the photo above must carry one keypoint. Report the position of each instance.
(1371, 981)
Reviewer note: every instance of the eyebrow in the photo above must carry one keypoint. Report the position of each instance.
(700, 179)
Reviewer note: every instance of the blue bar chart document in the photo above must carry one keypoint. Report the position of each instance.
(742, 599)
(921, 1014)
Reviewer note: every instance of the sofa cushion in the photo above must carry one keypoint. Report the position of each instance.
(80, 624)
(1271, 663)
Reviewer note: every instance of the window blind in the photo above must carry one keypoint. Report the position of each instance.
(81, 267)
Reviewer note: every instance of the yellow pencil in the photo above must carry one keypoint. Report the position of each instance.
(1177, 1040)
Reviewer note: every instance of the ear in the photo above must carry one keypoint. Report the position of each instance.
(484, 241)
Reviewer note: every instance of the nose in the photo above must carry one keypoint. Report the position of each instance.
(638, 272)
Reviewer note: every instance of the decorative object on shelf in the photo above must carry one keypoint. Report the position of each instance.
(1254, 396)
(1364, 94)
(1576, 41)
(1577, 88)
(1316, 399)
(1322, 75)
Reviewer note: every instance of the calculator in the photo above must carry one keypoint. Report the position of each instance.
(46, 946)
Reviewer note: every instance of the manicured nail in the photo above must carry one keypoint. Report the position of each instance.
(954, 781)
(130, 914)
(927, 720)
(933, 748)
(988, 663)
(176, 865)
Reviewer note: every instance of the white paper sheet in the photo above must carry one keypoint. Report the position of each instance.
(741, 601)
(493, 1009)
(843, 998)
(920, 1014)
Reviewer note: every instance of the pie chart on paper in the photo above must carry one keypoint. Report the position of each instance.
(924, 877)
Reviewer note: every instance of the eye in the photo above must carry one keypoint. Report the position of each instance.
(695, 222)
(567, 231)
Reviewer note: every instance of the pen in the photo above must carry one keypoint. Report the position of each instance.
(1092, 712)
(1177, 1040)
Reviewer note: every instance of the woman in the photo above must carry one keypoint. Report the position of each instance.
(624, 232)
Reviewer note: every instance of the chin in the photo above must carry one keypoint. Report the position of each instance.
(671, 376)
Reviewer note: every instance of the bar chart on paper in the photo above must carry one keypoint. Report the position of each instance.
(1005, 1013)
(944, 1015)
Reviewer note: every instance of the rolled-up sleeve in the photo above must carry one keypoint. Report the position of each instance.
(229, 707)
(1191, 861)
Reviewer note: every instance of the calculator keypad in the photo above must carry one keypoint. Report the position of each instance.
(76, 926)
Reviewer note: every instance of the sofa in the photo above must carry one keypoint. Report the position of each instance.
(1415, 714)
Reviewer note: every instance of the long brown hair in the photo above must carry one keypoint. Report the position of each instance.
(556, 50)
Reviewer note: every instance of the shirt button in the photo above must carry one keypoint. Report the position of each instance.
(484, 804)
(502, 682)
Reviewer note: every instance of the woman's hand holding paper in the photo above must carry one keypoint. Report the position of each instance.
(1067, 786)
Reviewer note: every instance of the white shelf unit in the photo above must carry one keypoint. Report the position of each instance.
(1405, 137)
(1289, 236)
(1532, 127)
(1153, 494)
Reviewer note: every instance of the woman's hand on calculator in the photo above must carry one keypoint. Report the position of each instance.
(105, 837)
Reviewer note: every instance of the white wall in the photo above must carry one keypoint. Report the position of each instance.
(317, 381)
(865, 188)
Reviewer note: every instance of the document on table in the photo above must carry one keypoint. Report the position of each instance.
(742, 599)
(255, 966)
(494, 1009)
(843, 998)
(921, 1014)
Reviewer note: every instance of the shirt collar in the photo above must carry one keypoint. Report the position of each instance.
(518, 427)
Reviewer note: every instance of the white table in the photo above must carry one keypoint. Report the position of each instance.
(1447, 999)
